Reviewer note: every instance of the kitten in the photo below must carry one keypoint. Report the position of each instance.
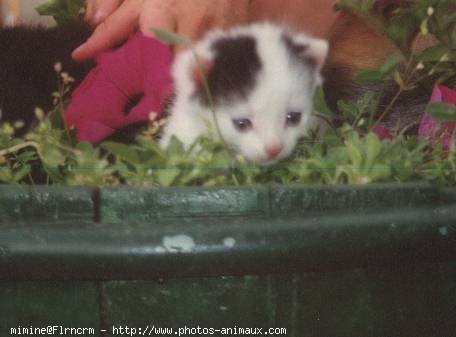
(261, 77)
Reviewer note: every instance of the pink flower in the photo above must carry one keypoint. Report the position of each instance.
(433, 130)
(382, 133)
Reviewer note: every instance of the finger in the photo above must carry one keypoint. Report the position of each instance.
(99, 10)
(112, 31)
(157, 14)
(195, 28)
(210, 14)
(200, 18)
(90, 9)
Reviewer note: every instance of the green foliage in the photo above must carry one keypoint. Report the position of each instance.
(63, 11)
(356, 160)
(442, 112)
(381, 74)
(171, 38)
(339, 156)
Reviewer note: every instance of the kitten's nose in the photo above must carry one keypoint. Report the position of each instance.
(274, 150)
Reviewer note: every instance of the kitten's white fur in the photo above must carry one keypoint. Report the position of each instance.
(281, 87)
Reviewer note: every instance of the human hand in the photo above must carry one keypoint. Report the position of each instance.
(119, 18)
(192, 18)
(116, 20)
(99, 10)
(314, 17)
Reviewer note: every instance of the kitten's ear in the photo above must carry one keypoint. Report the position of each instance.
(317, 52)
(311, 50)
(188, 72)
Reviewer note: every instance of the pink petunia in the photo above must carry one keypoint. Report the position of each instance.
(382, 133)
(431, 129)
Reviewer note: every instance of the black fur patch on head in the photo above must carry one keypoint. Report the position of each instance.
(234, 69)
(298, 51)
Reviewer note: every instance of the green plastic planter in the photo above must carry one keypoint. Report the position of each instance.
(377, 260)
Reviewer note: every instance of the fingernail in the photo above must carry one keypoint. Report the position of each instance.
(77, 51)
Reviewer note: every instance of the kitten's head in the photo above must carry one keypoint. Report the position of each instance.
(262, 79)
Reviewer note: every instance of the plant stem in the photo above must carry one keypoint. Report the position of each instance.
(69, 149)
(388, 108)
(208, 94)
(211, 102)
(399, 92)
(62, 109)
(18, 147)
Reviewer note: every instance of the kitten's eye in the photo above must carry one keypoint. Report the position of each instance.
(294, 118)
(242, 124)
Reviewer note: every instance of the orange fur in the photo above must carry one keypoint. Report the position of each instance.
(357, 45)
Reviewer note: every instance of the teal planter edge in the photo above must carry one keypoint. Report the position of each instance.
(138, 234)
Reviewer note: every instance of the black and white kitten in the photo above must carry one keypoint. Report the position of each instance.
(261, 77)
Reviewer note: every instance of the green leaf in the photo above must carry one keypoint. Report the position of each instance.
(398, 79)
(165, 177)
(355, 155)
(400, 29)
(390, 65)
(375, 75)
(123, 151)
(374, 147)
(175, 147)
(63, 11)
(432, 54)
(424, 27)
(27, 156)
(84, 147)
(51, 155)
(320, 105)
(442, 112)
(22, 172)
(172, 38)
(369, 75)
(6, 175)
(348, 109)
